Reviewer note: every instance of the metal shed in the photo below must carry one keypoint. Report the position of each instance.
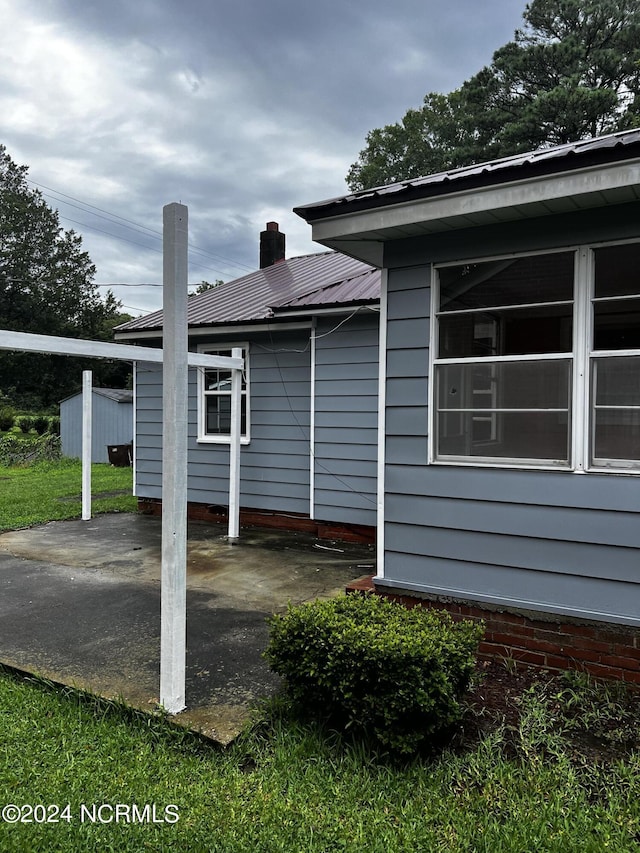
(112, 422)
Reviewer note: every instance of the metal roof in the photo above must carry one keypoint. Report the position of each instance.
(362, 288)
(545, 161)
(292, 283)
(118, 395)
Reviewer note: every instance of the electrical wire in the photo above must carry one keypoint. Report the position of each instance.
(306, 435)
(86, 207)
(306, 431)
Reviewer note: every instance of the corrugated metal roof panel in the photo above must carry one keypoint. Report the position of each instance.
(256, 296)
(119, 395)
(573, 155)
(362, 288)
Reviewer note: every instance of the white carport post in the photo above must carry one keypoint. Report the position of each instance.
(174, 461)
(234, 450)
(87, 413)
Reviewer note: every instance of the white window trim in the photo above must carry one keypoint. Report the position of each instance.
(581, 404)
(203, 437)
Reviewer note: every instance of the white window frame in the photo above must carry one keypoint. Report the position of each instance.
(619, 466)
(216, 349)
(581, 403)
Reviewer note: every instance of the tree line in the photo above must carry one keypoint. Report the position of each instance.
(47, 287)
(571, 72)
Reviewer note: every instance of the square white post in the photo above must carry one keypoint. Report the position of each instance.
(87, 412)
(174, 460)
(234, 449)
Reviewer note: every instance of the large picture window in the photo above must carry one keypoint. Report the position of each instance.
(214, 398)
(523, 344)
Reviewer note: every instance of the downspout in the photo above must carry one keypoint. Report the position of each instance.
(312, 424)
(382, 398)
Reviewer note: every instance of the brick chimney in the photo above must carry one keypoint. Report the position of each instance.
(271, 245)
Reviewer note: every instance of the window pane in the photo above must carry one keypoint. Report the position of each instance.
(542, 436)
(616, 324)
(218, 415)
(618, 270)
(511, 331)
(616, 434)
(499, 385)
(616, 428)
(617, 381)
(217, 379)
(519, 281)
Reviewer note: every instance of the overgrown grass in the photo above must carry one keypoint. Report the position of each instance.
(49, 491)
(288, 786)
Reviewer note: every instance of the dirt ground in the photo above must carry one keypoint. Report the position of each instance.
(496, 699)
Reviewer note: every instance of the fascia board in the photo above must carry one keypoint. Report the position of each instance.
(592, 180)
(208, 331)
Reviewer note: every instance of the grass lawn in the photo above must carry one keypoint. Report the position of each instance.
(289, 786)
(560, 774)
(50, 491)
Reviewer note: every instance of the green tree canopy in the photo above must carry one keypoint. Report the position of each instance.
(571, 72)
(46, 287)
(204, 286)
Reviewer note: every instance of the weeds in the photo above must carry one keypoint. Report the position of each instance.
(288, 785)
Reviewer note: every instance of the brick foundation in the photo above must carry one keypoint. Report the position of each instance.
(547, 641)
(263, 518)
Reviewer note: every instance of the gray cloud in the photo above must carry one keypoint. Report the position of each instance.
(241, 110)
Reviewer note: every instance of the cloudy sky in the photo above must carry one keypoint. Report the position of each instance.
(240, 109)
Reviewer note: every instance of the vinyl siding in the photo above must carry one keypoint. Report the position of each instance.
(274, 471)
(559, 542)
(346, 415)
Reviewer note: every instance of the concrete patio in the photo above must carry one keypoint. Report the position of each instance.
(80, 605)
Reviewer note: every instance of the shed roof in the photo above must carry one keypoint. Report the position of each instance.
(118, 395)
(326, 278)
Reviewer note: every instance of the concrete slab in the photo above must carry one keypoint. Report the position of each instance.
(80, 604)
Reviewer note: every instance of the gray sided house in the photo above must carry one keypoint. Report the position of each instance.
(112, 422)
(510, 314)
(309, 331)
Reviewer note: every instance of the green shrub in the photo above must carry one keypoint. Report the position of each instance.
(25, 422)
(41, 424)
(54, 425)
(15, 450)
(370, 664)
(7, 416)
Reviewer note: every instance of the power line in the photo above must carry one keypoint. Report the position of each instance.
(136, 243)
(109, 216)
(109, 234)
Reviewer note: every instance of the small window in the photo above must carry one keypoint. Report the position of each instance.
(214, 398)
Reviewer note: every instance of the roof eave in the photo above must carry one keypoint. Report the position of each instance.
(592, 186)
(206, 329)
